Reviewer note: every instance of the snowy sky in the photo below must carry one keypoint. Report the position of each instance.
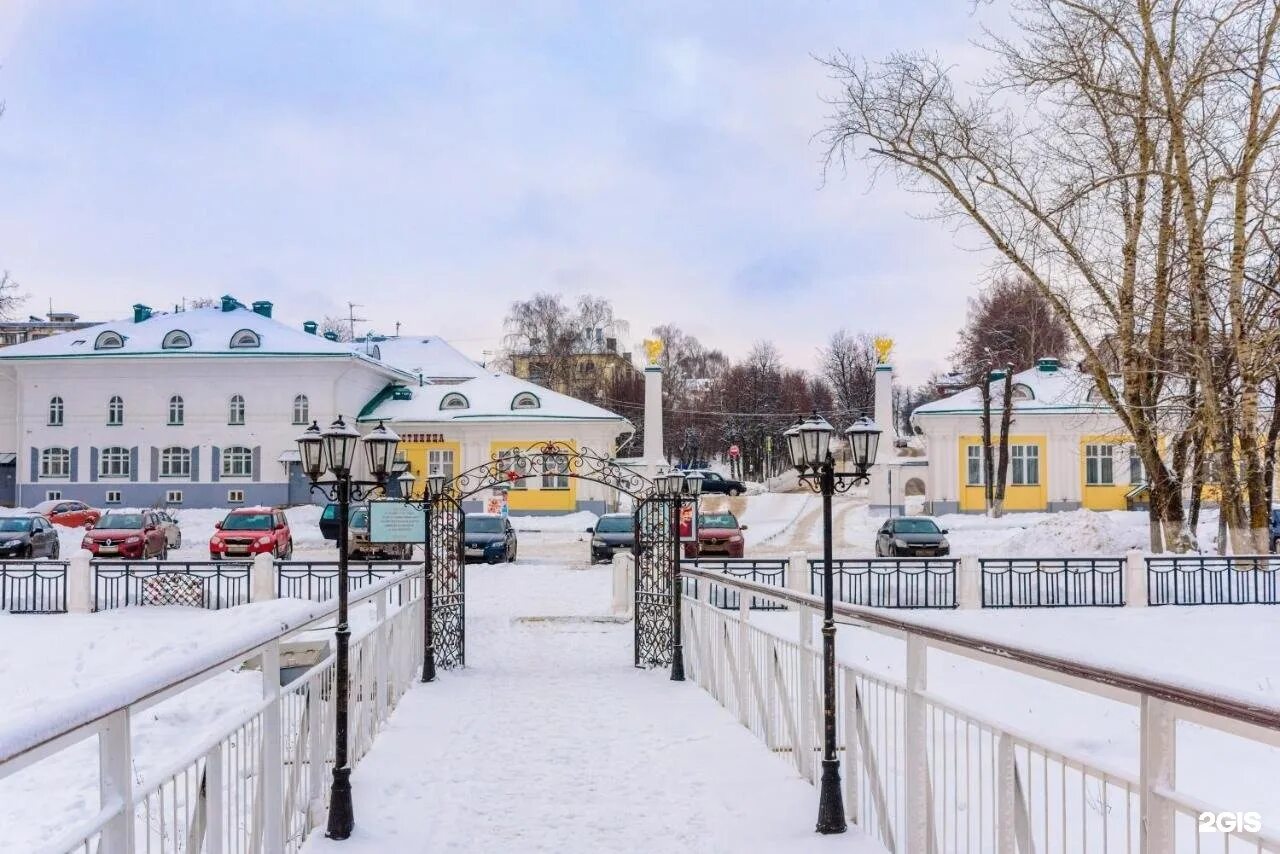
(435, 161)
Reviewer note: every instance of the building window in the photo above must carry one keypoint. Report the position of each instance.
(554, 471)
(55, 462)
(175, 462)
(440, 462)
(176, 340)
(56, 412)
(115, 412)
(453, 400)
(525, 400)
(1026, 464)
(1099, 465)
(301, 409)
(177, 411)
(1137, 471)
(235, 496)
(237, 461)
(114, 462)
(53, 495)
(173, 496)
(113, 496)
(108, 341)
(1023, 392)
(511, 460)
(245, 339)
(975, 476)
(235, 410)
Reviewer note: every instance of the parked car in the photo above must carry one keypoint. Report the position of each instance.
(252, 531)
(911, 536)
(612, 532)
(131, 534)
(1275, 529)
(359, 546)
(489, 537)
(27, 537)
(719, 534)
(68, 514)
(169, 524)
(718, 484)
(329, 521)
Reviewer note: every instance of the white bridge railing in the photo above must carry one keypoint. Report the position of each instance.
(261, 784)
(923, 775)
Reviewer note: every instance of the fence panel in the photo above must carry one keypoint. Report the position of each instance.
(317, 581)
(1207, 580)
(203, 584)
(764, 570)
(890, 582)
(1052, 582)
(33, 587)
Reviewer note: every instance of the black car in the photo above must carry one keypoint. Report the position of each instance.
(489, 537)
(1275, 529)
(612, 532)
(27, 537)
(329, 519)
(716, 483)
(912, 536)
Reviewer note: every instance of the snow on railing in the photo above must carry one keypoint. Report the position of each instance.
(261, 783)
(923, 774)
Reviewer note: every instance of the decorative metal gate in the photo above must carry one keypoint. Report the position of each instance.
(655, 559)
(448, 600)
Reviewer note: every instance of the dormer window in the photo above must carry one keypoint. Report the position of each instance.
(245, 339)
(1023, 392)
(526, 400)
(176, 339)
(108, 341)
(453, 400)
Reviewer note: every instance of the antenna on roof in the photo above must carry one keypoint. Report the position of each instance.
(351, 317)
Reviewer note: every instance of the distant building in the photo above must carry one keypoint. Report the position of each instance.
(588, 375)
(33, 328)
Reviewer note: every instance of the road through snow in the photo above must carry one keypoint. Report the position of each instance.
(550, 740)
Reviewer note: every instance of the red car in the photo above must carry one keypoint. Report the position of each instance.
(69, 514)
(718, 534)
(131, 534)
(252, 531)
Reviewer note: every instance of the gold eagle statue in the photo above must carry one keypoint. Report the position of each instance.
(653, 349)
(883, 347)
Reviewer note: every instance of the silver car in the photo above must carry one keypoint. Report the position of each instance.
(169, 524)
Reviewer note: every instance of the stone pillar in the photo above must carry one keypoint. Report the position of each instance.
(80, 583)
(969, 582)
(1135, 579)
(624, 585)
(653, 456)
(262, 578)
(881, 499)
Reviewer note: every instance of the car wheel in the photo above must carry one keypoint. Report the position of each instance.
(734, 492)
(28, 553)
(163, 554)
(511, 555)
(491, 560)
(215, 558)
(178, 544)
(55, 551)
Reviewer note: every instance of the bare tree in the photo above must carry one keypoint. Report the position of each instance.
(339, 326)
(1011, 323)
(848, 364)
(546, 331)
(10, 299)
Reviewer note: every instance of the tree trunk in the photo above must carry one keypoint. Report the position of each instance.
(1006, 418)
(988, 473)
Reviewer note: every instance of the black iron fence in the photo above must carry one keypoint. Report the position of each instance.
(317, 581)
(1200, 580)
(200, 584)
(765, 571)
(1052, 582)
(33, 587)
(890, 582)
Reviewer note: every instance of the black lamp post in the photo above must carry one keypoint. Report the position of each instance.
(809, 445)
(431, 491)
(334, 451)
(675, 486)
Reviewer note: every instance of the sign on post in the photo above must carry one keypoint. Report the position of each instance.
(688, 523)
(396, 522)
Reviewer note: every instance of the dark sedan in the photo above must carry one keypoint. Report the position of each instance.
(911, 537)
(612, 533)
(489, 537)
(27, 537)
(717, 484)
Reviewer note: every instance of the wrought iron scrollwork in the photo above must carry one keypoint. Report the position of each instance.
(448, 602)
(655, 556)
(510, 465)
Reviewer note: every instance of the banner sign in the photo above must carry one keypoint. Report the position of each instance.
(396, 522)
(496, 503)
(688, 524)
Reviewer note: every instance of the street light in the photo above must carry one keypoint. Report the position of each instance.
(334, 450)
(678, 485)
(809, 444)
(432, 491)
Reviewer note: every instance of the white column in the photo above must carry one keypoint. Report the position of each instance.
(80, 582)
(969, 583)
(262, 578)
(880, 497)
(1135, 579)
(653, 456)
(624, 574)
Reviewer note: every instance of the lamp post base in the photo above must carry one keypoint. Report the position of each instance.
(830, 806)
(342, 817)
(677, 664)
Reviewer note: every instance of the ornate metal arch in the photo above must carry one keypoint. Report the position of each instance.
(556, 458)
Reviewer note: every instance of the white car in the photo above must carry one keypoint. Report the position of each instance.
(169, 524)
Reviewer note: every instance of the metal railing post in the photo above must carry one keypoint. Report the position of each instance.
(262, 578)
(1157, 756)
(115, 782)
(1006, 796)
(969, 584)
(1135, 579)
(213, 791)
(272, 780)
(916, 748)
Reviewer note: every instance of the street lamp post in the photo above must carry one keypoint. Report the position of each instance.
(676, 485)
(334, 451)
(432, 490)
(809, 445)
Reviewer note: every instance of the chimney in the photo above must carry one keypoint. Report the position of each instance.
(310, 327)
(331, 336)
(262, 307)
(141, 312)
(230, 303)
(1047, 365)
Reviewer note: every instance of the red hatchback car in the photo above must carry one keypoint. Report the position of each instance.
(131, 534)
(69, 514)
(252, 531)
(718, 534)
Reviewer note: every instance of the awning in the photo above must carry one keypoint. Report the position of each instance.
(8, 459)
(291, 456)
(1137, 490)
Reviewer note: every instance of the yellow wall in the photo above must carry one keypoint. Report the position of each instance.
(973, 498)
(533, 496)
(1104, 497)
(416, 455)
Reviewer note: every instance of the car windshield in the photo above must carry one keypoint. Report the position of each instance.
(360, 518)
(483, 525)
(915, 526)
(330, 512)
(46, 506)
(717, 520)
(120, 521)
(615, 525)
(12, 524)
(247, 522)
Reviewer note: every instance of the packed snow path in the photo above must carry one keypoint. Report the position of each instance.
(549, 740)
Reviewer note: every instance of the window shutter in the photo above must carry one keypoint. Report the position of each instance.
(195, 464)
(35, 464)
(93, 464)
(257, 463)
(75, 464)
(155, 463)
(133, 463)
(215, 471)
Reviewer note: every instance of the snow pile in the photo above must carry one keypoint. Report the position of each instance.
(771, 513)
(1079, 532)
(573, 523)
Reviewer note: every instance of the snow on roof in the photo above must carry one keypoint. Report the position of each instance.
(1058, 389)
(428, 355)
(486, 397)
